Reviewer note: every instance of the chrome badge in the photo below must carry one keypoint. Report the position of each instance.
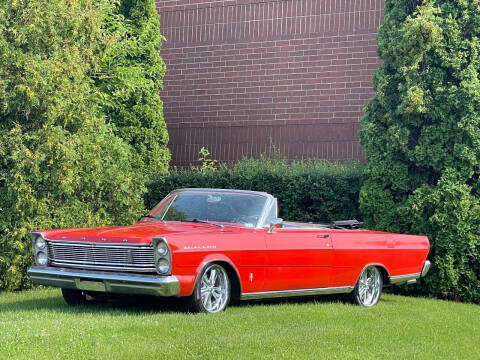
(199, 247)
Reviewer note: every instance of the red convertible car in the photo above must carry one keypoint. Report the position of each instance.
(212, 246)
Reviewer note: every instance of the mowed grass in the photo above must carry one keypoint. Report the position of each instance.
(38, 324)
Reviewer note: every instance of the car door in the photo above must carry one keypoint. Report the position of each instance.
(246, 249)
(298, 259)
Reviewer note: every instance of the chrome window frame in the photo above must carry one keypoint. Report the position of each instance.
(272, 202)
(263, 214)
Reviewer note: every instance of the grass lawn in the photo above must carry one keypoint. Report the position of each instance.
(38, 324)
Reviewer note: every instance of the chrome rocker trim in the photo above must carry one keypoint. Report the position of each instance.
(401, 279)
(297, 292)
(105, 282)
(411, 278)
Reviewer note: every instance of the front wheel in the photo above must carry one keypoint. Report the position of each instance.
(369, 286)
(212, 290)
(74, 297)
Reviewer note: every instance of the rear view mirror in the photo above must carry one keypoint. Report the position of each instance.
(275, 223)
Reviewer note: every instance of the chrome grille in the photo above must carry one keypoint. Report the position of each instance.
(101, 256)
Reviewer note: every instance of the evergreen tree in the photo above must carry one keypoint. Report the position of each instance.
(130, 81)
(421, 135)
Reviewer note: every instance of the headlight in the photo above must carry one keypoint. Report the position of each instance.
(41, 258)
(163, 266)
(162, 249)
(40, 243)
(163, 256)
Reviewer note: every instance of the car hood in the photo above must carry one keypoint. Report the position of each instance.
(140, 233)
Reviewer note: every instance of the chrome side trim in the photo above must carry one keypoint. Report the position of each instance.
(403, 278)
(296, 292)
(426, 267)
(106, 282)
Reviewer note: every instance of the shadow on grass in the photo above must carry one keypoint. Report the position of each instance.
(116, 305)
(119, 304)
(308, 300)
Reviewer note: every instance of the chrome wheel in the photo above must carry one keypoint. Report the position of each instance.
(214, 289)
(369, 287)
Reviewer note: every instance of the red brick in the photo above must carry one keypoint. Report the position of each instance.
(242, 71)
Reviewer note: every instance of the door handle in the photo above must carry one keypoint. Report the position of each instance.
(323, 236)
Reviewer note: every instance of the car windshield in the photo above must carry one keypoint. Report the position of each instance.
(239, 208)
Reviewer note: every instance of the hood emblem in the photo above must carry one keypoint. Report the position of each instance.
(129, 256)
(125, 240)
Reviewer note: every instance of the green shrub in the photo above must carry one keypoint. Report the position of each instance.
(62, 162)
(306, 191)
(421, 135)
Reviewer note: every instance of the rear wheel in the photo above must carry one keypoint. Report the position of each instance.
(212, 291)
(74, 297)
(368, 289)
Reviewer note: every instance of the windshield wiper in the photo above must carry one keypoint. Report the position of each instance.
(207, 222)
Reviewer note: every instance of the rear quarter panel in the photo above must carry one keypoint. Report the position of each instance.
(398, 254)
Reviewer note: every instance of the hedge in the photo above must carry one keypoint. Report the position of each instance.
(315, 191)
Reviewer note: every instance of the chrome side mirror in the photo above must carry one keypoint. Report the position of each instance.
(275, 223)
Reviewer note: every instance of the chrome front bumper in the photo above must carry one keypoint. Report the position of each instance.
(108, 282)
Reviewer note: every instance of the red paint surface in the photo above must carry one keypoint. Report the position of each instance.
(286, 259)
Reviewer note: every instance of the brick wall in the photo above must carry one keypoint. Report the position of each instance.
(242, 72)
